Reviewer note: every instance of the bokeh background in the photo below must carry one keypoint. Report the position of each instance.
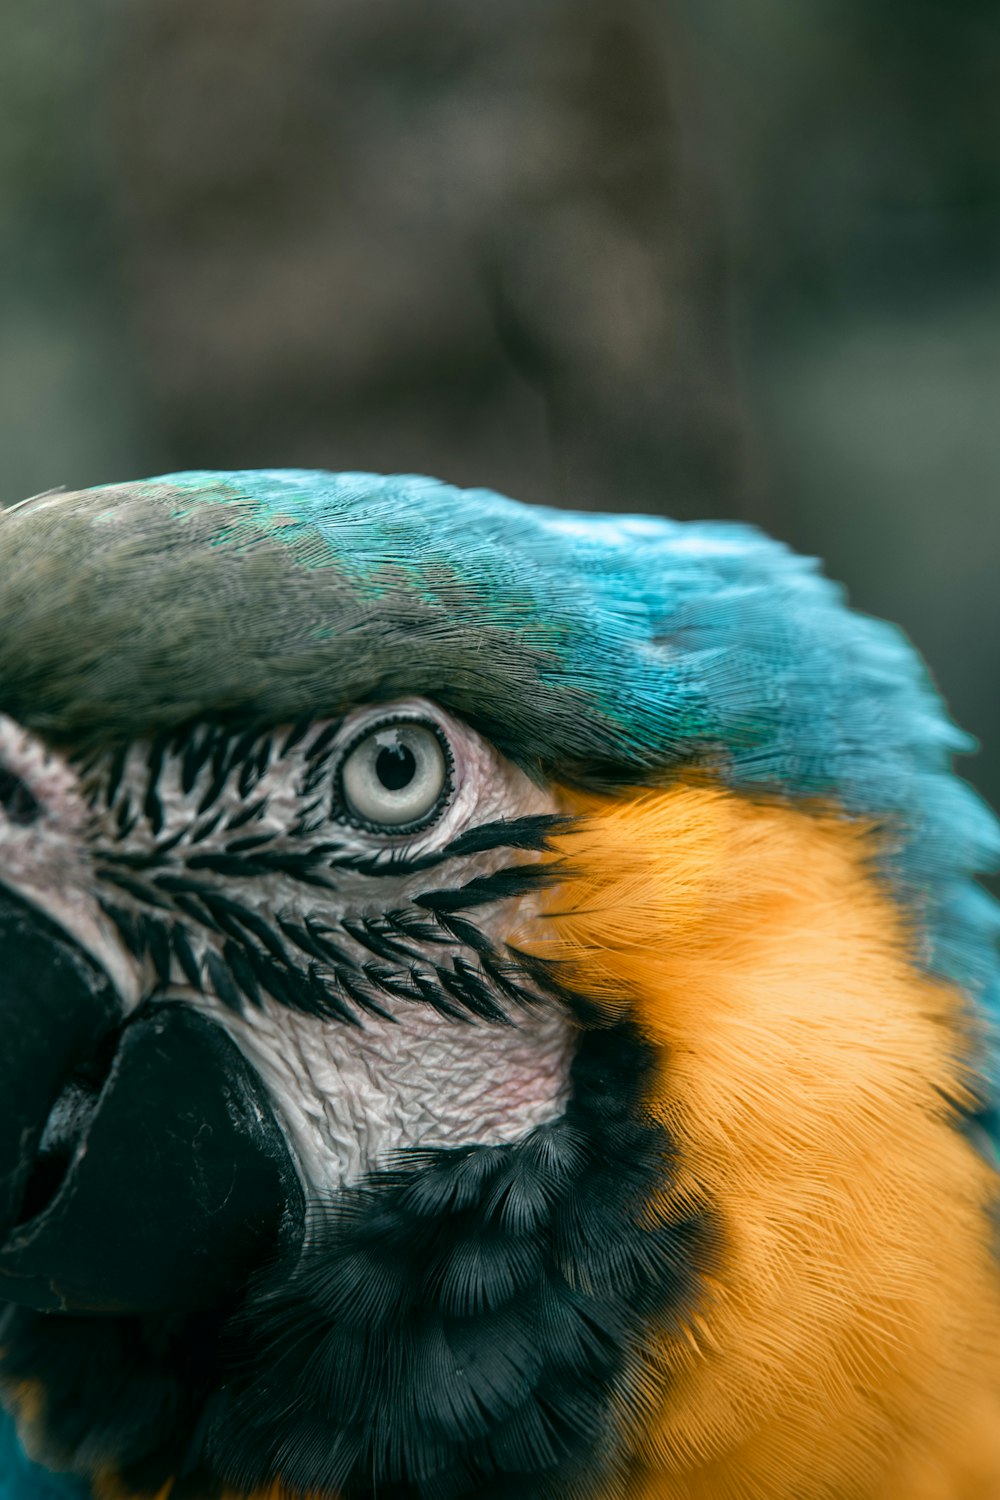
(705, 257)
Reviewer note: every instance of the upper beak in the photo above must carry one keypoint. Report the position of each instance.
(141, 1165)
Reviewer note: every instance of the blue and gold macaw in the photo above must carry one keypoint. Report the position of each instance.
(493, 1002)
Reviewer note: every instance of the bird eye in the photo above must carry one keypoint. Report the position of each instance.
(396, 777)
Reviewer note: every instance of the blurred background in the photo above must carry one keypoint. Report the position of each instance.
(705, 257)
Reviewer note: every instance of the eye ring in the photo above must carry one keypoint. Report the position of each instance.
(395, 776)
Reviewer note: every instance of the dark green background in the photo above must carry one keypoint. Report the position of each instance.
(709, 257)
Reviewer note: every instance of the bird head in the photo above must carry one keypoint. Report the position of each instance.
(488, 997)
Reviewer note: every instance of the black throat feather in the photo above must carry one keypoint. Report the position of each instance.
(468, 1323)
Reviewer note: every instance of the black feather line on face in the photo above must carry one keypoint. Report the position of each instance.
(220, 976)
(186, 957)
(241, 756)
(530, 833)
(483, 890)
(464, 1325)
(125, 819)
(179, 886)
(152, 806)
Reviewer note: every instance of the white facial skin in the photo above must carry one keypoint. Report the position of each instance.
(350, 1096)
(45, 860)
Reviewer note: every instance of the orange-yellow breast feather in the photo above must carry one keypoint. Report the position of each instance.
(848, 1341)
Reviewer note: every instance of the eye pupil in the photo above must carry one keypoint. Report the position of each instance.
(395, 776)
(395, 767)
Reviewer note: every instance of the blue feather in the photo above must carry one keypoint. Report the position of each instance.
(588, 647)
(678, 636)
(21, 1479)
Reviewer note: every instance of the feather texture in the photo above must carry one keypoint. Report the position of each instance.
(591, 649)
(717, 1275)
(814, 1082)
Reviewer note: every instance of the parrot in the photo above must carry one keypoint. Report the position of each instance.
(495, 1001)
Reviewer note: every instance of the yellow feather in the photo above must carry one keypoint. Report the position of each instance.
(848, 1342)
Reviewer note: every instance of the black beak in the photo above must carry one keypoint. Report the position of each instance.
(141, 1165)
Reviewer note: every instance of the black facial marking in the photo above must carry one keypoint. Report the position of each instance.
(191, 910)
(223, 983)
(532, 832)
(186, 956)
(502, 885)
(158, 945)
(129, 924)
(464, 1325)
(115, 772)
(144, 894)
(195, 752)
(125, 819)
(152, 806)
(240, 819)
